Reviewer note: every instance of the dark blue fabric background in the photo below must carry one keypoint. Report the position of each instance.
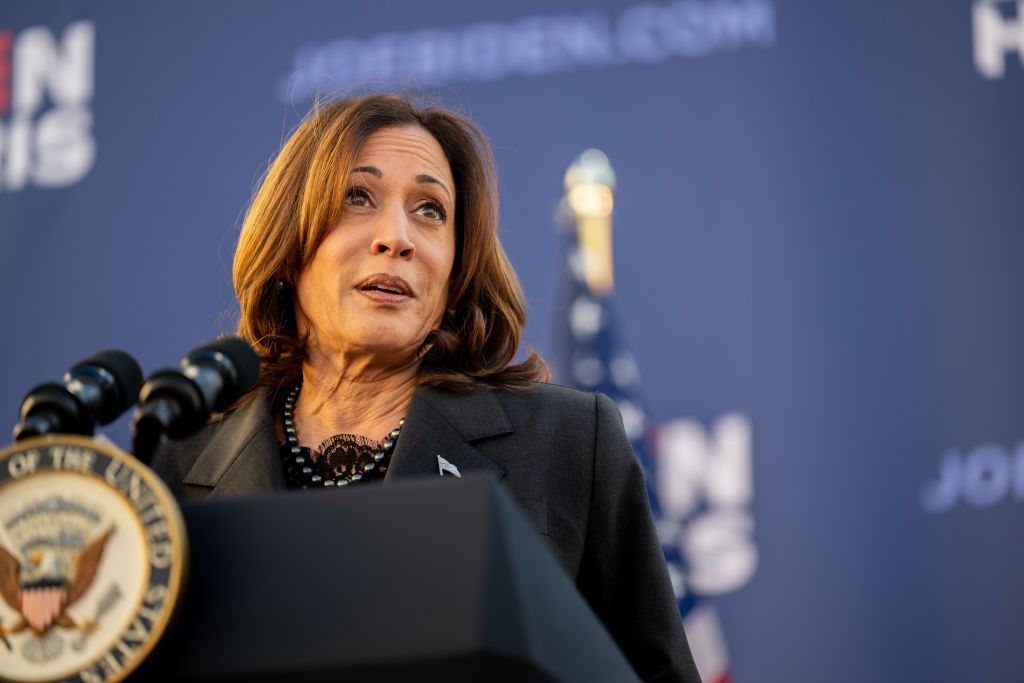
(823, 233)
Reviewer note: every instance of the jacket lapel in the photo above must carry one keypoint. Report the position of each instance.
(446, 424)
(242, 457)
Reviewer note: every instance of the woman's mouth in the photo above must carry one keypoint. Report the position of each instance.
(385, 289)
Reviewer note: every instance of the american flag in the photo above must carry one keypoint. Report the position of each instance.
(593, 356)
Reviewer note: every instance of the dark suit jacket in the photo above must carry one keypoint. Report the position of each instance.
(561, 453)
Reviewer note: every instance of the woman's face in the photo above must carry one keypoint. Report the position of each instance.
(378, 283)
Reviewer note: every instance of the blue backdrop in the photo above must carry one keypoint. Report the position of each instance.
(818, 228)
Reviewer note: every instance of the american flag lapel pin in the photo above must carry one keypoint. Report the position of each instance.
(445, 466)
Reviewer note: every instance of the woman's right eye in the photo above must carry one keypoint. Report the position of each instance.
(357, 196)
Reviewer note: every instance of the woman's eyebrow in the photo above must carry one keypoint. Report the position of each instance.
(372, 170)
(422, 178)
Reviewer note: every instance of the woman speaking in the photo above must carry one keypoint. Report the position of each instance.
(388, 318)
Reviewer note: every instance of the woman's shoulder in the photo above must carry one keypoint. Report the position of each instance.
(227, 432)
(557, 396)
(545, 393)
(527, 396)
(543, 402)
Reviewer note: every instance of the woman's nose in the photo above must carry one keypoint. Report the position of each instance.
(391, 234)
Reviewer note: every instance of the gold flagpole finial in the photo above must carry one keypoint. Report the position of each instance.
(589, 186)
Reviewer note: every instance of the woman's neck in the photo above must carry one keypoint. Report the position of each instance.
(352, 397)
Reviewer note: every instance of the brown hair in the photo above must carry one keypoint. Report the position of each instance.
(301, 199)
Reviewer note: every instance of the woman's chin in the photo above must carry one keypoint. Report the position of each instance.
(390, 338)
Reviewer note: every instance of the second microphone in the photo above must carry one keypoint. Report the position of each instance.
(178, 401)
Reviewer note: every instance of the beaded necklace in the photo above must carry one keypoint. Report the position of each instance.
(314, 479)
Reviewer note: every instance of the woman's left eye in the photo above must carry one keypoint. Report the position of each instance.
(432, 210)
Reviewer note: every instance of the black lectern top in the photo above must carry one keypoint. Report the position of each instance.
(423, 580)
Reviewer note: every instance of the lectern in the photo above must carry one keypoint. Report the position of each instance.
(418, 580)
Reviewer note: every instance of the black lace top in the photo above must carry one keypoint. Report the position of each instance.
(337, 458)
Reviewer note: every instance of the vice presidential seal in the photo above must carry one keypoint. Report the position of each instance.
(92, 553)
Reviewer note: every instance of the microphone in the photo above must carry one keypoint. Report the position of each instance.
(98, 389)
(178, 401)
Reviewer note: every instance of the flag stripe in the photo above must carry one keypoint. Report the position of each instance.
(704, 632)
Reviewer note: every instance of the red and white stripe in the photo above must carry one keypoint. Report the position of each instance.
(40, 606)
(704, 633)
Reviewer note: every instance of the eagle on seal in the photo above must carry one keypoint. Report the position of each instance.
(41, 594)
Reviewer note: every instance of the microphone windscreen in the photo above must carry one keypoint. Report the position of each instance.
(126, 372)
(245, 360)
